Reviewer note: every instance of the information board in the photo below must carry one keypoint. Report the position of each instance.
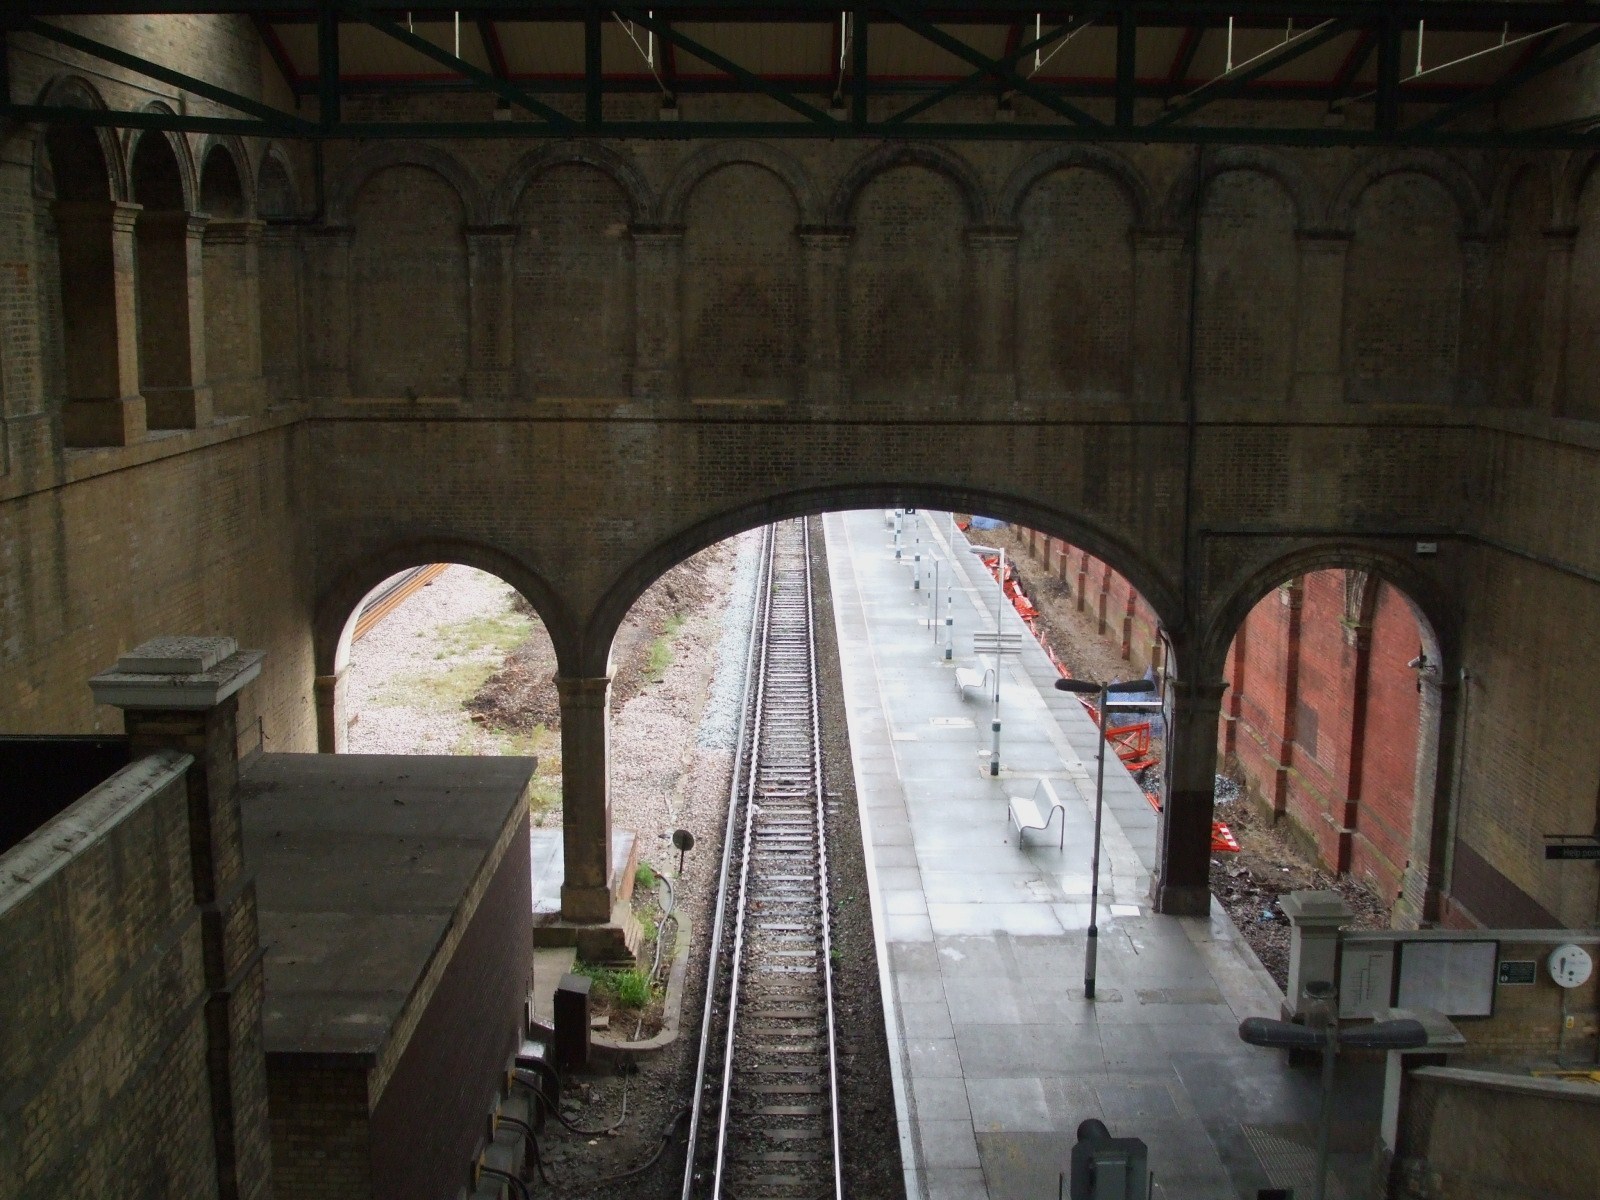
(1454, 978)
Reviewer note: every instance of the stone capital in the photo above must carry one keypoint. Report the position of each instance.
(825, 237)
(992, 237)
(113, 214)
(233, 230)
(182, 674)
(577, 692)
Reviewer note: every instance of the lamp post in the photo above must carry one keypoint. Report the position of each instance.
(1103, 690)
(1403, 1034)
(999, 616)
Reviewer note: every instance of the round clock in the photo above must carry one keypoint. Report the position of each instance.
(1570, 966)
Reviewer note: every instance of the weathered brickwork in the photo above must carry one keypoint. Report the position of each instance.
(102, 1035)
(1001, 326)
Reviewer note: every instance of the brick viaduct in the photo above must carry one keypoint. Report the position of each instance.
(574, 365)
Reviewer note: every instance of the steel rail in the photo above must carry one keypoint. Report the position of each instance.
(779, 1045)
(757, 624)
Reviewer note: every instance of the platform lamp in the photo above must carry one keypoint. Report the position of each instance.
(1088, 687)
(999, 624)
(1405, 1033)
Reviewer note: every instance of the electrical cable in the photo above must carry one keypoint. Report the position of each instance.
(532, 1140)
(522, 1188)
(669, 1134)
(555, 1112)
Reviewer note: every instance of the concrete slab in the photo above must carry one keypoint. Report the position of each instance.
(361, 863)
(996, 1053)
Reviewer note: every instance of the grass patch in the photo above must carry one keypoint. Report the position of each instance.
(501, 632)
(627, 989)
(445, 689)
(644, 876)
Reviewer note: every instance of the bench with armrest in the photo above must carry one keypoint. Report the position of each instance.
(969, 679)
(1038, 811)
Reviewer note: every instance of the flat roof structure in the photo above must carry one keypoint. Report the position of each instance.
(996, 1054)
(365, 867)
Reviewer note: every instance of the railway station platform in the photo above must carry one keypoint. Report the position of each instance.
(996, 1053)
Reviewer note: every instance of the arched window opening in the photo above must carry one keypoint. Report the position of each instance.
(94, 269)
(232, 293)
(167, 254)
(1329, 734)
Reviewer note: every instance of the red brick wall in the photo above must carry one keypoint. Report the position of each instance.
(1324, 734)
(1123, 617)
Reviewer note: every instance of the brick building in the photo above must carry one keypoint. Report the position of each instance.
(253, 365)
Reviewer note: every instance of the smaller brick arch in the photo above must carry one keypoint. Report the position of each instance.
(631, 583)
(723, 154)
(382, 155)
(340, 603)
(1447, 173)
(74, 91)
(1512, 172)
(1437, 611)
(275, 161)
(233, 147)
(886, 157)
(188, 173)
(1190, 185)
(1568, 188)
(1008, 207)
(626, 174)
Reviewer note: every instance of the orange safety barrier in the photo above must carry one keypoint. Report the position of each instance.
(1222, 839)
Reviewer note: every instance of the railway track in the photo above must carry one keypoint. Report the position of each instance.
(765, 1119)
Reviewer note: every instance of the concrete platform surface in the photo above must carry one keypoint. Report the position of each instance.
(996, 1052)
(361, 863)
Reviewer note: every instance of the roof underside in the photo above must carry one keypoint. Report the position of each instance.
(1114, 70)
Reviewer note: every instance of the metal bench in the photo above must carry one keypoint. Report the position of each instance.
(1025, 812)
(973, 679)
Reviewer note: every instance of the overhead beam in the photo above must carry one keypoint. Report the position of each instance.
(1009, 61)
(1127, 50)
(1514, 79)
(496, 53)
(283, 121)
(1232, 85)
(751, 80)
(280, 56)
(1187, 49)
(991, 66)
(500, 87)
(1354, 62)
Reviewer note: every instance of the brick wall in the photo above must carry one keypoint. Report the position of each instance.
(1322, 719)
(102, 1024)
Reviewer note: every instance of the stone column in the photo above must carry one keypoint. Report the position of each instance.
(658, 312)
(1551, 369)
(1181, 886)
(172, 355)
(100, 310)
(1432, 796)
(585, 797)
(233, 316)
(326, 328)
(333, 724)
(1319, 341)
(490, 369)
(1160, 313)
(826, 251)
(182, 694)
(993, 375)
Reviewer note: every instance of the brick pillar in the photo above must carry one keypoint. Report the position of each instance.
(585, 797)
(1282, 733)
(171, 286)
(1181, 885)
(1319, 332)
(282, 291)
(826, 253)
(24, 423)
(1232, 711)
(993, 257)
(1103, 601)
(658, 317)
(490, 368)
(1083, 579)
(1553, 329)
(333, 724)
(1432, 796)
(1359, 638)
(104, 406)
(1160, 309)
(182, 694)
(233, 316)
(1127, 622)
(327, 324)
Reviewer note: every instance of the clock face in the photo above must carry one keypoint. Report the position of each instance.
(1570, 966)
